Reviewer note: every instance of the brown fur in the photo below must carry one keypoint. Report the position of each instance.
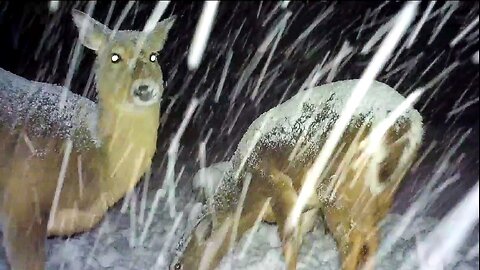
(95, 178)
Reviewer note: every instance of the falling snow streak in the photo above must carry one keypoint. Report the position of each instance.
(257, 57)
(281, 27)
(169, 183)
(452, 6)
(464, 32)
(438, 251)
(224, 75)
(76, 54)
(421, 201)
(61, 178)
(309, 29)
(413, 35)
(122, 17)
(202, 33)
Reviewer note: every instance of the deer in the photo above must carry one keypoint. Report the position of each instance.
(352, 196)
(57, 185)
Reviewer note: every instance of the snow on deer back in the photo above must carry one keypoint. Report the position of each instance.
(35, 105)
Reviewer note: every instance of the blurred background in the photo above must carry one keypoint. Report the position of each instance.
(37, 43)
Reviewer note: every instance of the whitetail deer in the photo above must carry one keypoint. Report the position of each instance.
(352, 195)
(130, 85)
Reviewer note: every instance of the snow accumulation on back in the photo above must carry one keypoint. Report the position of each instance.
(35, 105)
(281, 123)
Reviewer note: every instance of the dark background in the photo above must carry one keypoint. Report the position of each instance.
(37, 45)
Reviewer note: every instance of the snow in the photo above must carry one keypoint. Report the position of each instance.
(202, 33)
(35, 105)
(109, 246)
(207, 179)
(318, 251)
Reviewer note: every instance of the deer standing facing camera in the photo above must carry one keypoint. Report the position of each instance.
(39, 187)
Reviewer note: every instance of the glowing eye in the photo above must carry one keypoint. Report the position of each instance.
(115, 58)
(178, 266)
(153, 57)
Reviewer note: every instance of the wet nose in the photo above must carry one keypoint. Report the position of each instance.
(143, 92)
(143, 88)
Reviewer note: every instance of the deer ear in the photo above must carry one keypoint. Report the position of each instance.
(92, 34)
(159, 34)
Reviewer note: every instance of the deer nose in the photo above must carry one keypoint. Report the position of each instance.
(143, 92)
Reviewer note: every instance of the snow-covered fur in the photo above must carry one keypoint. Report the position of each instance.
(36, 106)
(354, 193)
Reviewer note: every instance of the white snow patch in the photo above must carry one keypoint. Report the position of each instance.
(206, 180)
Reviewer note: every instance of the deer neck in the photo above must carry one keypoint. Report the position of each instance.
(129, 137)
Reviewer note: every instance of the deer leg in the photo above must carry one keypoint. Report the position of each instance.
(363, 245)
(211, 252)
(308, 221)
(283, 201)
(24, 233)
(73, 220)
(357, 238)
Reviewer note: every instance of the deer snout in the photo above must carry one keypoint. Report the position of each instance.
(145, 92)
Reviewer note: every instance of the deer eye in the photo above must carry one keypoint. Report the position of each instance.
(115, 58)
(153, 57)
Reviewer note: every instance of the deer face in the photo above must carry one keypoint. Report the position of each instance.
(127, 72)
